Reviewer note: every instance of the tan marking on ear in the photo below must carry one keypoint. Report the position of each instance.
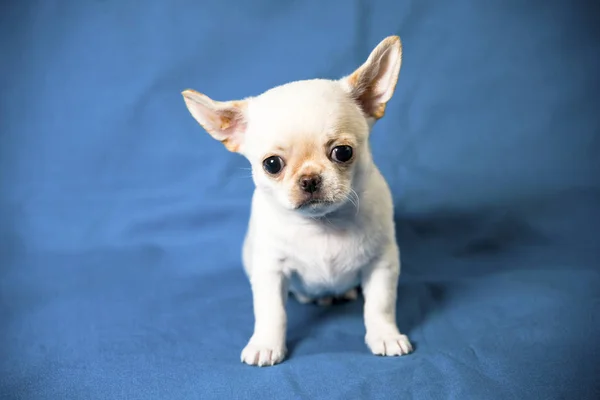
(231, 146)
(227, 119)
(379, 112)
(353, 79)
(191, 91)
(225, 122)
(392, 39)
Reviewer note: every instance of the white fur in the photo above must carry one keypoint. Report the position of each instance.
(327, 250)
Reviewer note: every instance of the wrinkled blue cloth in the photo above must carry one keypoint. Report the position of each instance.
(121, 220)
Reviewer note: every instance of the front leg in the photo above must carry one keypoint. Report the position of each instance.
(269, 293)
(380, 284)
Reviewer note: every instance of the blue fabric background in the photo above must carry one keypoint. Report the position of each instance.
(121, 219)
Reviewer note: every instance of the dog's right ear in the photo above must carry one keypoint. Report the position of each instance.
(224, 121)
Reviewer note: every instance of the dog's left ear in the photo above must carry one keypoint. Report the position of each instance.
(373, 83)
(224, 121)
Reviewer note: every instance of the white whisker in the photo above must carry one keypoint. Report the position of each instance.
(357, 204)
(353, 198)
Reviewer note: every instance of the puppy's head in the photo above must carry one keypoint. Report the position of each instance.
(307, 141)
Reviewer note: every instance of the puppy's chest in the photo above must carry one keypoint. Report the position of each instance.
(323, 261)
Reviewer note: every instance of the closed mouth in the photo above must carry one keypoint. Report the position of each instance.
(314, 202)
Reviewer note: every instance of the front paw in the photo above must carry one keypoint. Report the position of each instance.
(263, 353)
(389, 345)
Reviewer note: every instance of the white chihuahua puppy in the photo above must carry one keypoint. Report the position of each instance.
(322, 219)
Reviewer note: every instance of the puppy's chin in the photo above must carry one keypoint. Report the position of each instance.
(316, 208)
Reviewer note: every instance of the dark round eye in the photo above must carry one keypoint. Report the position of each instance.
(341, 154)
(273, 165)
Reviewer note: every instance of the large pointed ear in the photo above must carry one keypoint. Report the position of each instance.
(224, 121)
(373, 83)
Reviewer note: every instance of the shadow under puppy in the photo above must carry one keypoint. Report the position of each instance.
(322, 214)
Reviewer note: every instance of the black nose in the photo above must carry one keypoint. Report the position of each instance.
(310, 184)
